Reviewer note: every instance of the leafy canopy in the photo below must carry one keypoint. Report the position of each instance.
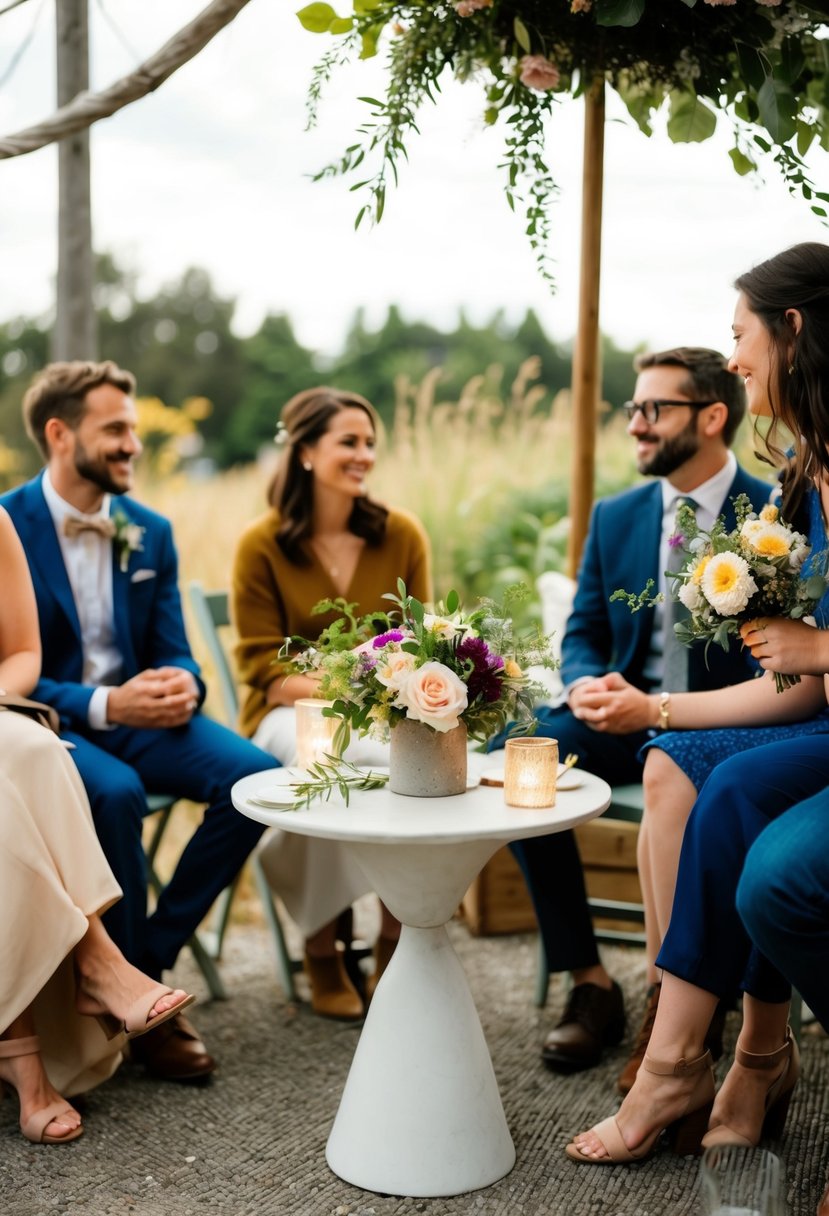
(763, 64)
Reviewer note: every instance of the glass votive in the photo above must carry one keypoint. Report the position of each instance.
(314, 733)
(530, 767)
(742, 1180)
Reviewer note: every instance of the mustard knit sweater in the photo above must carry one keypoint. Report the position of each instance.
(271, 598)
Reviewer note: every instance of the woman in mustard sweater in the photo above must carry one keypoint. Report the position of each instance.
(322, 537)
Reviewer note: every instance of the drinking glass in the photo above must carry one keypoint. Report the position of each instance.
(739, 1181)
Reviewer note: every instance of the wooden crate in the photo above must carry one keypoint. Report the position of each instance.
(497, 901)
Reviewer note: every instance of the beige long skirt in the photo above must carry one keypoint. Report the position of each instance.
(53, 875)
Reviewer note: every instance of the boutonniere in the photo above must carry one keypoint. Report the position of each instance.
(127, 538)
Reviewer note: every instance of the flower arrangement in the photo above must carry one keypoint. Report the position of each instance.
(727, 578)
(760, 62)
(127, 538)
(440, 668)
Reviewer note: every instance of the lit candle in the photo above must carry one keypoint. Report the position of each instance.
(314, 733)
(530, 767)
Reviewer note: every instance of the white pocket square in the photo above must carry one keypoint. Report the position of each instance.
(141, 576)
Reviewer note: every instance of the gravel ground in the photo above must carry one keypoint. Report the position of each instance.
(251, 1143)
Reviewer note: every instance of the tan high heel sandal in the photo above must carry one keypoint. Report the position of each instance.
(138, 1020)
(778, 1095)
(34, 1128)
(685, 1131)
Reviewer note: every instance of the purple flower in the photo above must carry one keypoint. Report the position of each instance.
(483, 679)
(676, 540)
(383, 639)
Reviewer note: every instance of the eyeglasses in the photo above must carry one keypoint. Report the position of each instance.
(650, 408)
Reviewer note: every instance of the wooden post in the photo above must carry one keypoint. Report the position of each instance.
(586, 382)
(75, 334)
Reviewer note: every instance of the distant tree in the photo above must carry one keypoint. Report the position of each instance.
(275, 367)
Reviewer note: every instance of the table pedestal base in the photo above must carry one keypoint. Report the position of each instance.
(421, 1114)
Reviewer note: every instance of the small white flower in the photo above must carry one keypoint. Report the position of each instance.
(727, 583)
(394, 667)
(441, 626)
(689, 594)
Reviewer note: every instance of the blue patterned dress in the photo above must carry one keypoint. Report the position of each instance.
(697, 752)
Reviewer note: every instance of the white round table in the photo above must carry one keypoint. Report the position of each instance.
(421, 1114)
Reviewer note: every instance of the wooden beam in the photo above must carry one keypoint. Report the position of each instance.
(586, 381)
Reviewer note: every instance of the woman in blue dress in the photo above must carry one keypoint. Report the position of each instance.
(781, 331)
(679, 762)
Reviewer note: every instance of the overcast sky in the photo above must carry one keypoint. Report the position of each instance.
(213, 170)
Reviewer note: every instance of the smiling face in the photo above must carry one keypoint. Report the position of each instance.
(343, 457)
(663, 446)
(98, 453)
(754, 357)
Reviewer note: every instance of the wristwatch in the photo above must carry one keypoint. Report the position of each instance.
(664, 710)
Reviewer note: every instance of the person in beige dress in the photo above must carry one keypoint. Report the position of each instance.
(68, 997)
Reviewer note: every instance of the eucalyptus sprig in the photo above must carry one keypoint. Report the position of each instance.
(326, 776)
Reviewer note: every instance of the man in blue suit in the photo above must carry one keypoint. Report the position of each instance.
(118, 668)
(615, 663)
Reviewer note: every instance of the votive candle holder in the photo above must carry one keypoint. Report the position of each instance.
(530, 767)
(314, 732)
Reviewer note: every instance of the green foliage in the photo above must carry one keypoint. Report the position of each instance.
(181, 346)
(762, 65)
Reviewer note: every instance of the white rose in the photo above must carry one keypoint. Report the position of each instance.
(435, 695)
(394, 668)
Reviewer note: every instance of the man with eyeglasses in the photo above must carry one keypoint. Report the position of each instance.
(619, 667)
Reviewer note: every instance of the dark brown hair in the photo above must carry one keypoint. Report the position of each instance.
(59, 391)
(708, 379)
(797, 279)
(304, 420)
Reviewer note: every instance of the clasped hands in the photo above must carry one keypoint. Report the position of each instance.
(609, 703)
(157, 697)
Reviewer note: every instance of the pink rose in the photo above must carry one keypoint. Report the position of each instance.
(465, 8)
(435, 695)
(537, 72)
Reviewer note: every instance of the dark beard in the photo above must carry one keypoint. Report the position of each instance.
(672, 452)
(97, 472)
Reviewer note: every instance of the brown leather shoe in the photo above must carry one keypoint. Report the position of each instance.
(593, 1019)
(173, 1052)
(823, 1206)
(628, 1074)
(713, 1039)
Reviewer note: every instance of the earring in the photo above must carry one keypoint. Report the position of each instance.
(307, 466)
(792, 369)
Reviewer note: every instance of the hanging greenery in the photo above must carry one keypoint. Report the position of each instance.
(762, 64)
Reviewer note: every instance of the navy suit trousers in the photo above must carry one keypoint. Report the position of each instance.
(783, 899)
(707, 943)
(551, 864)
(200, 761)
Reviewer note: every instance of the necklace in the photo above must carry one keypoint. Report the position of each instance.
(324, 554)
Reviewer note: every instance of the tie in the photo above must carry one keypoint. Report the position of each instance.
(74, 525)
(675, 655)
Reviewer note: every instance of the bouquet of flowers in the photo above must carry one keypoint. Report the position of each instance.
(728, 578)
(440, 668)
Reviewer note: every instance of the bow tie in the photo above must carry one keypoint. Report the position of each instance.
(74, 525)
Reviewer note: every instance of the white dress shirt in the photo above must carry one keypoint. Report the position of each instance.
(710, 498)
(88, 562)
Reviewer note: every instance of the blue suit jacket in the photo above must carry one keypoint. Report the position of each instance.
(149, 628)
(622, 550)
